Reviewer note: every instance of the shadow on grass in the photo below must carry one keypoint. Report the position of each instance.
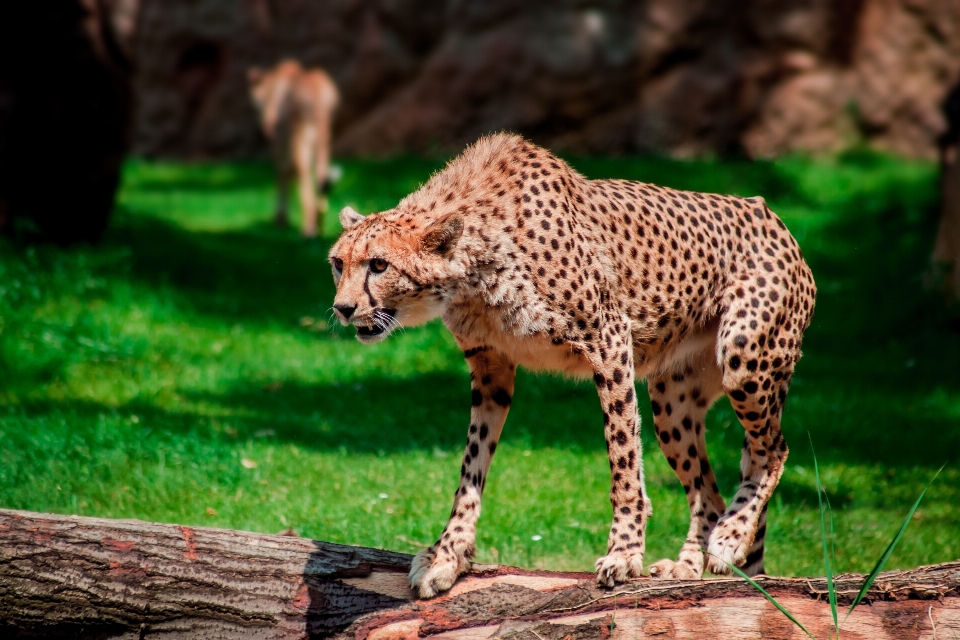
(386, 414)
(259, 274)
(869, 270)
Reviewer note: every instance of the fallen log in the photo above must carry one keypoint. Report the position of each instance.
(70, 576)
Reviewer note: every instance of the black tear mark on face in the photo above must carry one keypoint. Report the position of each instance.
(366, 289)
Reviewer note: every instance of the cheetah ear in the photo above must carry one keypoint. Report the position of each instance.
(349, 217)
(442, 235)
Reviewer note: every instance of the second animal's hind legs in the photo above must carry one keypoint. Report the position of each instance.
(303, 161)
(680, 400)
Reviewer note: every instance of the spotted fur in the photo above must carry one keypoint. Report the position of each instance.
(529, 263)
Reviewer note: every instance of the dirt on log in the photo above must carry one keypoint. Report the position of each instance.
(77, 577)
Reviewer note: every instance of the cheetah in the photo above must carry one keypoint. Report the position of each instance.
(529, 263)
(296, 106)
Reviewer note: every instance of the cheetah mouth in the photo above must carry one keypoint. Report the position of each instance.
(383, 322)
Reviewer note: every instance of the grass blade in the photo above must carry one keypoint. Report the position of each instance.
(831, 588)
(772, 600)
(893, 543)
(833, 565)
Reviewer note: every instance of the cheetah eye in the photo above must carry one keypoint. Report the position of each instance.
(338, 264)
(378, 265)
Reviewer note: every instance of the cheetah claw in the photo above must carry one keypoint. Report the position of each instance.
(669, 570)
(431, 574)
(615, 568)
(725, 550)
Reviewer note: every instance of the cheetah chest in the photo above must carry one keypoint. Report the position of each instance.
(475, 325)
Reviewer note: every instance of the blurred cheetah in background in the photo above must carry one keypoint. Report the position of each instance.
(296, 106)
(529, 263)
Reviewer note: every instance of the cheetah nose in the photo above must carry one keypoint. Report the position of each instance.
(345, 310)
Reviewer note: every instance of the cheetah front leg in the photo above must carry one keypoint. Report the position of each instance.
(680, 400)
(612, 359)
(435, 569)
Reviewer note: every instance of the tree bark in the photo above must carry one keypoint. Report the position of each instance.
(945, 260)
(69, 576)
(946, 248)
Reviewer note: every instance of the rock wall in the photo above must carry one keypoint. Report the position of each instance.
(682, 77)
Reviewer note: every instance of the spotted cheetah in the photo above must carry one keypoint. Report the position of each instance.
(529, 263)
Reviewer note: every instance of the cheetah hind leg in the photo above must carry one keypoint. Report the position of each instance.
(433, 572)
(757, 393)
(667, 569)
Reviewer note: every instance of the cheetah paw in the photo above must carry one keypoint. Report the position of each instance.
(431, 574)
(618, 567)
(669, 570)
(727, 547)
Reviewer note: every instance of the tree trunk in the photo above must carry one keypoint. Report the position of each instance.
(945, 260)
(68, 576)
(65, 111)
(946, 249)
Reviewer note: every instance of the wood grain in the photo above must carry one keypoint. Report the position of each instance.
(69, 576)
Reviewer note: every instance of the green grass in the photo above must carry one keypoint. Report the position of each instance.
(145, 377)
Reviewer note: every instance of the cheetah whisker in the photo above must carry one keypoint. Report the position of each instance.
(332, 321)
(386, 321)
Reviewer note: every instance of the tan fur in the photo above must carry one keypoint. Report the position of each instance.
(296, 108)
(529, 263)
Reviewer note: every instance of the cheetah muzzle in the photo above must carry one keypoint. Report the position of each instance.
(530, 264)
(382, 323)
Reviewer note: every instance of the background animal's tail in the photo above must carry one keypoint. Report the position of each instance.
(327, 99)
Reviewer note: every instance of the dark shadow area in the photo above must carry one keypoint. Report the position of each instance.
(333, 604)
(92, 630)
(387, 414)
(258, 274)
(870, 284)
(62, 141)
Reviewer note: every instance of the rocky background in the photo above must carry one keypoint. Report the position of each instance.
(680, 77)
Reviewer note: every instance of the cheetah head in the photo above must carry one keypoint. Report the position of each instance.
(392, 272)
